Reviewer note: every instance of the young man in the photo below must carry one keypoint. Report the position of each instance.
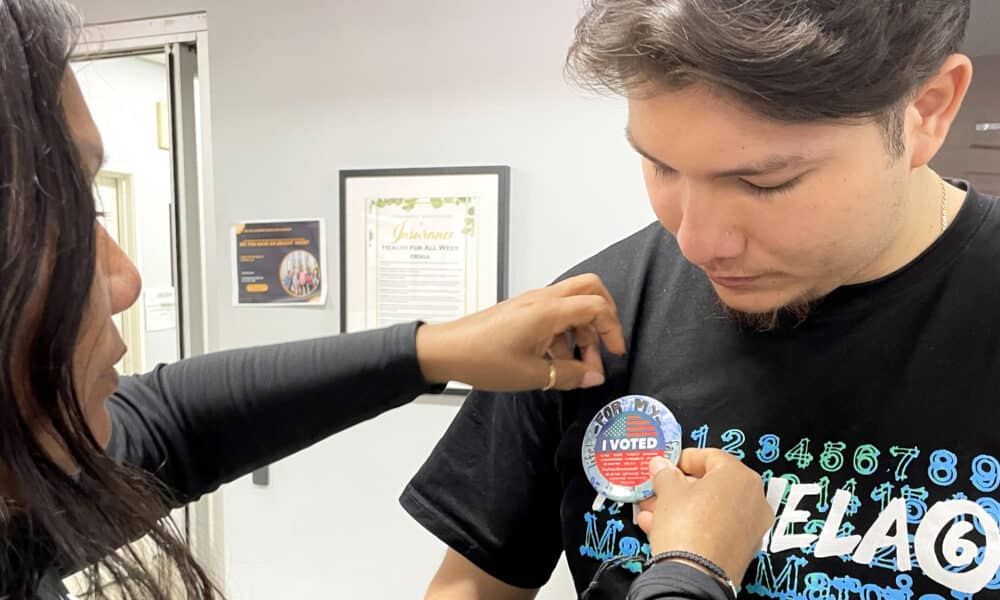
(814, 299)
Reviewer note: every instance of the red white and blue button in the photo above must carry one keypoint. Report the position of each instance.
(621, 440)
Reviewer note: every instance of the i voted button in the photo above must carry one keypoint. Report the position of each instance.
(621, 440)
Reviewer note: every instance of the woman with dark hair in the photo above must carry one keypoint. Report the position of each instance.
(88, 463)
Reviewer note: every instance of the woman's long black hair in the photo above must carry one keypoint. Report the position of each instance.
(49, 518)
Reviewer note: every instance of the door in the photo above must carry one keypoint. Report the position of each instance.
(113, 192)
(126, 95)
(146, 83)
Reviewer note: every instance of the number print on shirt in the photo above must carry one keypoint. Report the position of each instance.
(770, 448)
(832, 459)
(866, 459)
(700, 436)
(799, 455)
(942, 469)
(905, 456)
(903, 528)
(986, 473)
(735, 439)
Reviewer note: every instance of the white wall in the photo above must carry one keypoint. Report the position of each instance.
(122, 94)
(303, 89)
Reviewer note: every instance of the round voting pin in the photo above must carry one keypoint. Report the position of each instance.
(621, 440)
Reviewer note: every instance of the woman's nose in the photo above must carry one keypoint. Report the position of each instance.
(124, 281)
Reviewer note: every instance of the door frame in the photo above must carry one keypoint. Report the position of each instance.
(131, 319)
(194, 216)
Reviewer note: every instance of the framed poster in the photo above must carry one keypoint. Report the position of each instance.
(279, 263)
(422, 244)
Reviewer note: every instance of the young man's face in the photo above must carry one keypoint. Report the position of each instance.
(835, 207)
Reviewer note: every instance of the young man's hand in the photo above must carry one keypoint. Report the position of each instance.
(711, 505)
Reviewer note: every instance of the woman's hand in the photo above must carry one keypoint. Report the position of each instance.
(507, 347)
(712, 505)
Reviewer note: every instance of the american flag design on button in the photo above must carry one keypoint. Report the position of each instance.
(621, 440)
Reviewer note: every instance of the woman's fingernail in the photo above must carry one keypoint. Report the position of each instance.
(592, 379)
(657, 464)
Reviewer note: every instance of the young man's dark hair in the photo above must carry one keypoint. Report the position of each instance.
(790, 60)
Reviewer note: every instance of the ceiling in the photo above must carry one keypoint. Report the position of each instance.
(983, 36)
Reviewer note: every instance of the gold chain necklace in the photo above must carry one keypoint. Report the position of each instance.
(944, 206)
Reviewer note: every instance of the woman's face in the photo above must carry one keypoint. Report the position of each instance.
(100, 347)
(115, 288)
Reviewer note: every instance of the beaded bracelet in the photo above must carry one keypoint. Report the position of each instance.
(701, 561)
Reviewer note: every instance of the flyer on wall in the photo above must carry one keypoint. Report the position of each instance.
(279, 263)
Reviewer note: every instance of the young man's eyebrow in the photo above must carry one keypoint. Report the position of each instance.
(769, 164)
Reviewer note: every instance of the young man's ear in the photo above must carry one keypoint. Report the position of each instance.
(932, 112)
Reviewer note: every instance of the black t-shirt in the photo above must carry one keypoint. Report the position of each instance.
(888, 391)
